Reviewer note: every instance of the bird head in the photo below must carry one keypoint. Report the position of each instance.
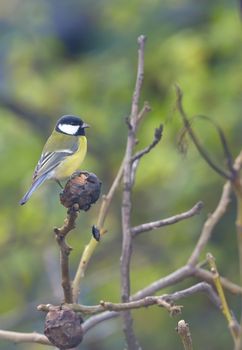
(71, 125)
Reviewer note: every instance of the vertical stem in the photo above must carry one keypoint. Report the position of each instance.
(61, 234)
(126, 224)
(238, 192)
(224, 305)
(127, 245)
(125, 259)
(64, 262)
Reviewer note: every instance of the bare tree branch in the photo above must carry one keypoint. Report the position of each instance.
(146, 109)
(197, 288)
(196, 142)
(156, 139)
(210, 223)
(200, 287)
(125, 259)
(232, 325)
(171, 279)
(165, 300)
(65, 250)
(17, 337)
(169, 221)
(207, 276)
(95, 320)
(135, 115)
(180, 275)
(214, 218)
(118, 307)
(237, 187)
(137, 157)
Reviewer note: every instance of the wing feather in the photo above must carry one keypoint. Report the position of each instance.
(49, 160)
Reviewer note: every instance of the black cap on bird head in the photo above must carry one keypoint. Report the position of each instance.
(71, 125)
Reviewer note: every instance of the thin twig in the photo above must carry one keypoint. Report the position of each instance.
(185, 335)
(199, 147)
(137, 157)
(237, 187)
(180, 275)
(168, 221)
(134, 168)
(227, 284)
(135, 114)
(118, 307)
(223, 141)
(95, 320)
(17, 337)
(232, 325)
(208, 226)
(142, 113)
(61, 233)
(146, 109)
(202, 287)
(169, 280)
(166, 301)
(214, 218)
(156, 139)
(108, 198)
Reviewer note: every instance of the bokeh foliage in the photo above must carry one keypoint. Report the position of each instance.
(79, 57)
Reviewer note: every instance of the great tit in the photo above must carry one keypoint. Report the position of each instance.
(62, 154)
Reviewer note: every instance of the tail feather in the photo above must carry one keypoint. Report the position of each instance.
(33, 187)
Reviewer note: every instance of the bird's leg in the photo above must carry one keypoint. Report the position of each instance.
(59, 183)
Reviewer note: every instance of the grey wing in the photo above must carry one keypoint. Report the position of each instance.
(49, 161)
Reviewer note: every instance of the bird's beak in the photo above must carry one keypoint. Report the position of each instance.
(85, 125)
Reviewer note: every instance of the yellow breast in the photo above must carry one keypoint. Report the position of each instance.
(72, 162)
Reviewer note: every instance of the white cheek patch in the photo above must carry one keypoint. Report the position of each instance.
(68, 129)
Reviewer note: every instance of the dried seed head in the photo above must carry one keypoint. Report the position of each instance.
(63, 328)
(82, 188)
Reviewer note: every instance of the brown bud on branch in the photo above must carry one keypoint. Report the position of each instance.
(83, 188)
(63, 328)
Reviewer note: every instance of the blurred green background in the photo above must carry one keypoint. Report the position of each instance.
(80, 57)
